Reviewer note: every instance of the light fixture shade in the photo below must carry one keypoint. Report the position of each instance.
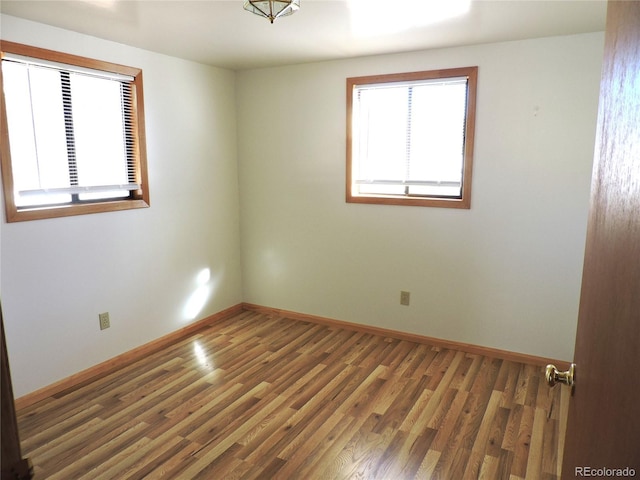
(272, 9)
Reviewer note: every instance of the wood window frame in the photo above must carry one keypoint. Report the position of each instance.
(138, 198)
(464, 201)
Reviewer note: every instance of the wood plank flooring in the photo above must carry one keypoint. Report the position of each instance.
(265, 397)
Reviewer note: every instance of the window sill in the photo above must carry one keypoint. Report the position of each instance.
(461, 203)
(40, 213)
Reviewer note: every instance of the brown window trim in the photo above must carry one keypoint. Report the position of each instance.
(465, 201)
(139, 199)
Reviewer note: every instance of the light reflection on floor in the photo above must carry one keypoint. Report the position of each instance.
(201, 355)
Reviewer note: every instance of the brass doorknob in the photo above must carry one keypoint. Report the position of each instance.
(554, 376)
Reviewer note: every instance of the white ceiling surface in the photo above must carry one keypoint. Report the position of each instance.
(222, 33)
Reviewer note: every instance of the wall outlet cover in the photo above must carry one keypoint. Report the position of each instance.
(104, 320)
(405, 298)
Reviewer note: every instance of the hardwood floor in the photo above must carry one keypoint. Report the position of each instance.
(265, 397)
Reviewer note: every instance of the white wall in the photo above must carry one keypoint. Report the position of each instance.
(504, 274)
(141, 265)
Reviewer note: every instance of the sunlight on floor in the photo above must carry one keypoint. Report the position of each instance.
(201, 355)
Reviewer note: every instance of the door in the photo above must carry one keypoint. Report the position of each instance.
(603, 430)
(14, 467)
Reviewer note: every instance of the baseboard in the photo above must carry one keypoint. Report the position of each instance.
(465, 347)
(131, 356)
(124, 359)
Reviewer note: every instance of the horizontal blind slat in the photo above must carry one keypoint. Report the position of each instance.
(81, 189)
(430, 183)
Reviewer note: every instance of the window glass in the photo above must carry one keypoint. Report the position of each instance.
(410, 138)
(36, 132)
(100, 134)
(74, 139)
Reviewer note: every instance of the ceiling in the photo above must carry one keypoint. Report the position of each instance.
(222, 33)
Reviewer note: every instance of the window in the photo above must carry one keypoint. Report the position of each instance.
(410, 138)
(72, 137)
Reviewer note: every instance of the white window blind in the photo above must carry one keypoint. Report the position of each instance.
(70, 132)
(409, 137)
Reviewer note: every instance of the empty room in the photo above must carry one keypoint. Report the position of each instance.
(314, 239)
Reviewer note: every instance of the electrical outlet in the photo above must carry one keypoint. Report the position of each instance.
(104, 320)
(405, 298)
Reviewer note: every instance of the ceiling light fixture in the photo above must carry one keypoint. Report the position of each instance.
(272, 9)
